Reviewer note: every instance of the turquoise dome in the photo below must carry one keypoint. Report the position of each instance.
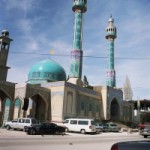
(46, 71)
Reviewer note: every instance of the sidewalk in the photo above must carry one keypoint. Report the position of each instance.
(12, 133)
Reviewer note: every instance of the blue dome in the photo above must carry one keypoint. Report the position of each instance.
(46, 71)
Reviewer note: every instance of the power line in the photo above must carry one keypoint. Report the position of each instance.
(88, 56)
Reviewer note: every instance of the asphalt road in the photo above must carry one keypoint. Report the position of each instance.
(18, 140)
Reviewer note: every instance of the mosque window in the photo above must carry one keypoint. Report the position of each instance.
(82, 106)
(38, 74)
(45, 75)
(76, 68)
(53, 76)
(5, 46)
(90, 107)
(97, 108)
(34, 74)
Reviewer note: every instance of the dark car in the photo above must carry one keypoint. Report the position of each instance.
(111, 127)
(145, 132)
(131, 145)
(131, 125)
(101, 127)
(46, 128)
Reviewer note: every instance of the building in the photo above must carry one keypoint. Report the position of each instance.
(141, 111)
(49, 96)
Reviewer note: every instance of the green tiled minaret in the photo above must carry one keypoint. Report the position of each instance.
(79, 7)
(111, 34)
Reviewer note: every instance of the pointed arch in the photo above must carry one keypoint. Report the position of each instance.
(17, 108)
(5, 104)
(6, 110)
(115, 110)
(37, 107)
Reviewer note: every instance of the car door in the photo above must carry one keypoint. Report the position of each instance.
(20, 124)
(14, 124)
(73, 126)
(52, 128)
(44, 129)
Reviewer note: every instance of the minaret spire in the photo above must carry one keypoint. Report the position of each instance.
(111, 35)
(79, 7)
(4, 50)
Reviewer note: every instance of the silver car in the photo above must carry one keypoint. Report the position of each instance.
(145, 132)
(20, 123)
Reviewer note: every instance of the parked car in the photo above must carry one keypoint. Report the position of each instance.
(111, 127)
(131, 145)
(80, 125)
(102, 127)
(143, 125)
(145, 132)
(46, 128)
(20, 123)
(131, 124)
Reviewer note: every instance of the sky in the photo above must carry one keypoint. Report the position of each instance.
(38, 27)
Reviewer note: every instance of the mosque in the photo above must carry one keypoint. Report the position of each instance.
(49, 96)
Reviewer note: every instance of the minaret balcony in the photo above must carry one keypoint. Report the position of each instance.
(79, 5)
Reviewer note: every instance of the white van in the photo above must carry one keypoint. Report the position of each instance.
(80, 125)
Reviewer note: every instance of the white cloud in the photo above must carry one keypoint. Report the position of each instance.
(18, 74)
(25, 25)
(23, 5)
(137, 73)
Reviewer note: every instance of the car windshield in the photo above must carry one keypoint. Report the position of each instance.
(113, 125)
(93, 123)
(147, 127)
(100, 124)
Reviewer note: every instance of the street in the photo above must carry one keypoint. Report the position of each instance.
(16, 140)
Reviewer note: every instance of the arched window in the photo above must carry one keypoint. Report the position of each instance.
(90, 107)
(30, 103)
(97, 108)
(82, 106)
(17, 108)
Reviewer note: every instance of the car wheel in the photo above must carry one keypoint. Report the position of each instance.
(67, 130)
(8, 127)
(25, 129)
(145, 136)
(32, 132)
(82, 131)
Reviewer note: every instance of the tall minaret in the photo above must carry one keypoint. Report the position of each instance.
(79, 7)
(111, 34)
(4, 50)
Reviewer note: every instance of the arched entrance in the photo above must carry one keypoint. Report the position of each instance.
(115, 110)
(17, 108)
(37, 108)
(4, 107)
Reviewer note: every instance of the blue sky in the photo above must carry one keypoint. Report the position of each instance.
(39, 26)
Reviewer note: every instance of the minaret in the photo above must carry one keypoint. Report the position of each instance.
(79, 7)
(111, 34)
(4, 50)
